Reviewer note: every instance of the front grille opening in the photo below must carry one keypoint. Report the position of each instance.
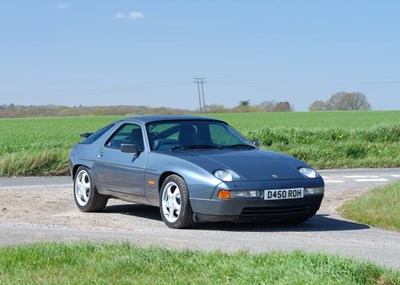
(274, 211)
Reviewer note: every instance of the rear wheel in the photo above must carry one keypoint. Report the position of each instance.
(175, 208)
(85, 193)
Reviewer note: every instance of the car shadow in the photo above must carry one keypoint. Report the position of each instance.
(137, 210)
(318, 223)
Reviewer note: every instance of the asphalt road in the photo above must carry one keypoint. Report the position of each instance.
(142, 225)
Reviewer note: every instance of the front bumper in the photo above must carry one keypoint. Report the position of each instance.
(237, 209)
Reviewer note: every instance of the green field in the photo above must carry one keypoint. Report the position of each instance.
(51, 263)
(338, 120)
(39, 146)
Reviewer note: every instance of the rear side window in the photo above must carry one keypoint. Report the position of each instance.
(127, 134)
(93, 137)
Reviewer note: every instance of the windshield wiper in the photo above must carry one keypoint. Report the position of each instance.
(239, 146)
(194, 146)
(201, 146)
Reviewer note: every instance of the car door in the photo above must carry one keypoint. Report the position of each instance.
(118, 171)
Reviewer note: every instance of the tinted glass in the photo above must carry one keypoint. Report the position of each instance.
(126, 134)
(172, 134)
(93, 137)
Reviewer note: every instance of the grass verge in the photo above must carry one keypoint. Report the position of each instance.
(35, 163)
(85, 263)
(379, 208)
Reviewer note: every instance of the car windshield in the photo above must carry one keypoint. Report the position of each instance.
(201, 134)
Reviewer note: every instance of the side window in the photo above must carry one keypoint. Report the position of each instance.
(220, 135)
(93, 137)
(127, 134)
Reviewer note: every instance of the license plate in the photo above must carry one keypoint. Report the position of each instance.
(282, 194)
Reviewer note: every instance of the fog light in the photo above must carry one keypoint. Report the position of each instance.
(245, 194)
(314, 191)
(249, 194)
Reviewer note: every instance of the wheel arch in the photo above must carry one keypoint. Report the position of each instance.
(75, 169)
(164, 176)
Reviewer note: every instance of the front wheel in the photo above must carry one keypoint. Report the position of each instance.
(85, 193)
(175, 208)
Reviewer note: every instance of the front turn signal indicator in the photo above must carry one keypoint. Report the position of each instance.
(224, 194)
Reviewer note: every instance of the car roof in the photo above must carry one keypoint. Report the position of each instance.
(160, 118)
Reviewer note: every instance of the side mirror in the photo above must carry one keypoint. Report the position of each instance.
(256, 143)
(129, 148)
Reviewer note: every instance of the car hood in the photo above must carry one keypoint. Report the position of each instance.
(249, 164)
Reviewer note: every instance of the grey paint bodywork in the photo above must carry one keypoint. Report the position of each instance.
(138, 177)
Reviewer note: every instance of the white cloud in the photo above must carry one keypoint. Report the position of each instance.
(120, 15)
(136, 15)
(62, 6)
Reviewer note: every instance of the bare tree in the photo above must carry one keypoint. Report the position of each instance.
(215, 108)
(356, 101)
(318, 105)
(346, 101)
(283, 107)
(272, 106)
(267, 106)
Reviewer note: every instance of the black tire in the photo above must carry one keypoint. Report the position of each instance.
(85, 193)
(175, 208)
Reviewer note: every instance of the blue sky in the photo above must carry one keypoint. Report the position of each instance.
(147, 52)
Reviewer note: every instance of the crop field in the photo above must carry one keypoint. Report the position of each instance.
(327, 139)
(345, 120)
(39, 146)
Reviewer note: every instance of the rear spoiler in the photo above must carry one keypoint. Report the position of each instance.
(85, 135)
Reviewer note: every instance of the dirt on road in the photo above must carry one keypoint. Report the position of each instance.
(53, 205)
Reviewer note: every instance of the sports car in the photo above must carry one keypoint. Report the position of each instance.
(195, 169)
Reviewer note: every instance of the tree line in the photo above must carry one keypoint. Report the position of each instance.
(18, 111)
(338, 101)
(245, 107)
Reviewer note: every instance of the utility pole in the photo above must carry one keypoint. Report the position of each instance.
(202, 103)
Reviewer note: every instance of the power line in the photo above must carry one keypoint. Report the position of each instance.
(202, 102)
